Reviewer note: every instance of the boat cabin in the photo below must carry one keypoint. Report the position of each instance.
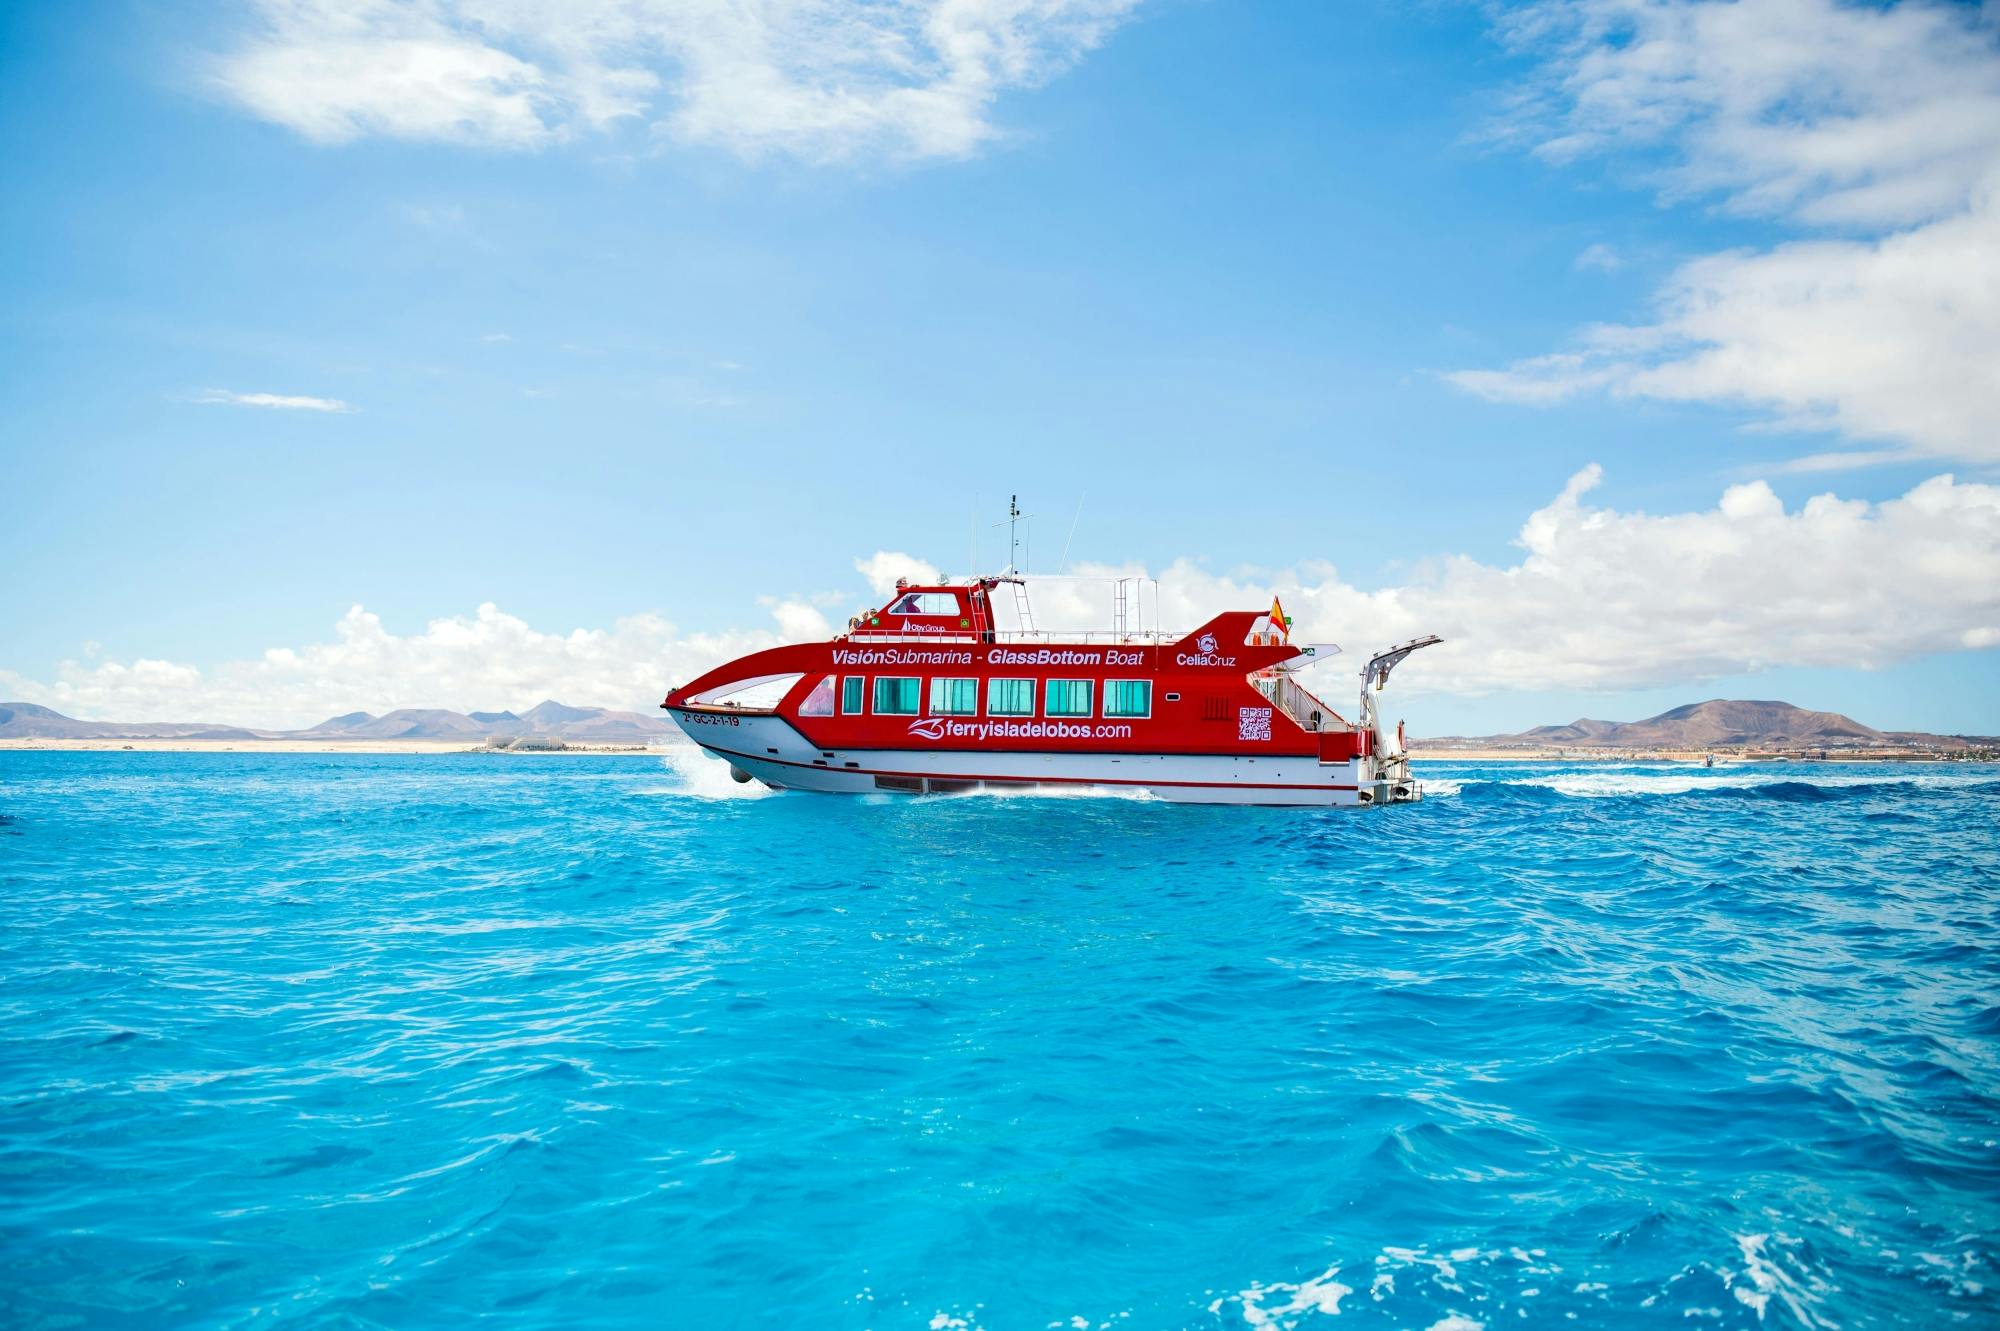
(941, 610)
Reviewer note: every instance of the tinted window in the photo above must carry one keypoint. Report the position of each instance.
(1067, 697)
(1128, 697)
(954, 697)
(896, 696)
(1010, 697)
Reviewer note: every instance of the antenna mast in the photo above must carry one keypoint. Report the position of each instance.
(1064, 566)
(1015, 517)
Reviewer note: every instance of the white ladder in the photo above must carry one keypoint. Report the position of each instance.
(1021, 607)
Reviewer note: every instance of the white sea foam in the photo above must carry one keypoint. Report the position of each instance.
(1013, 791)
(707, 777)
(1609, 782)
(1763, 1277)
(1322, 1294)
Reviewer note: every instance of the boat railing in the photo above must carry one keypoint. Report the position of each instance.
(1298, 702)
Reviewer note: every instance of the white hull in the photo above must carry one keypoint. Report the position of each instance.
(767, 748)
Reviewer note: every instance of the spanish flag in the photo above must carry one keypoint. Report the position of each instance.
(1279, 624)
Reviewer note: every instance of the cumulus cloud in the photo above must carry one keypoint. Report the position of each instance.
(1600, 257)
(1604, 600)
(881, 569)
(1882, 123)
(222, 397)
(489, 659)
(1599, 599)
(820, 79)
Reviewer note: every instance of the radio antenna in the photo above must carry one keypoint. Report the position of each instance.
(1064, 567)
(1015, 541)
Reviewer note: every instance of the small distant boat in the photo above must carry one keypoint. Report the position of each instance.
(927, 694)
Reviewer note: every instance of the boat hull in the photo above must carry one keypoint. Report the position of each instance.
(765, 747)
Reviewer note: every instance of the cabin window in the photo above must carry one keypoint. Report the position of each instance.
(897, 695)
(925, 603)
(1128, 697)
(1010, 697)
(1067, 697)
(852, 690)
(820, 701)
(954, 697)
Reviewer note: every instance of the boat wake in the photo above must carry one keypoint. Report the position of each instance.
(1785, 785)
(707, 778)
(1027, 792)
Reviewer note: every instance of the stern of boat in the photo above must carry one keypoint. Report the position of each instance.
(1386, 781)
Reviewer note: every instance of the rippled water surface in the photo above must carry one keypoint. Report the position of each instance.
(401, 1041)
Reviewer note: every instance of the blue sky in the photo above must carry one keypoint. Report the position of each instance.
(1276, 287)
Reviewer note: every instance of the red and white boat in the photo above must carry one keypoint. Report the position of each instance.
(929, 694)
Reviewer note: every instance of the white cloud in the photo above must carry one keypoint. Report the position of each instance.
(881, 569)
(222, 397)
(487, 660)
(799, 621)
(820, 79)
(1600, 599)
(1822, 111)
(1599, 257)
(1882, 120)
(1890, 340)
(1606, 600)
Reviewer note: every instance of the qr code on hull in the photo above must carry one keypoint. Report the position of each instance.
(1253, 723)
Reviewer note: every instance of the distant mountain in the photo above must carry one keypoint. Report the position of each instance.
(1717, 724)
(25, 720)
(404, 723)
(553, 720)
(592, 723)
(552, 713)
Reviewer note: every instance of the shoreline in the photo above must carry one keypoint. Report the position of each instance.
(163, 744)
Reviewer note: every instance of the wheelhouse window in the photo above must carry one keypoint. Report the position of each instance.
(954, 697)
(1128, 697)
(820, 701)
(1067, 697)
(926, 603)
(853, 689)
(897, 695)
(1010, 697)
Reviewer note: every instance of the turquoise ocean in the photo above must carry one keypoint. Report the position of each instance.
(401, 1042)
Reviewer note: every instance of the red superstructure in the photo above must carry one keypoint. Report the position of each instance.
(928, 693)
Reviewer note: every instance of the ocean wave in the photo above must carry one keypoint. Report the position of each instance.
(1477, 1286)
(540, 1039)
(1598, 783)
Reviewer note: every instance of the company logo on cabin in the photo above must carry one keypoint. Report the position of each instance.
(1204, 654)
